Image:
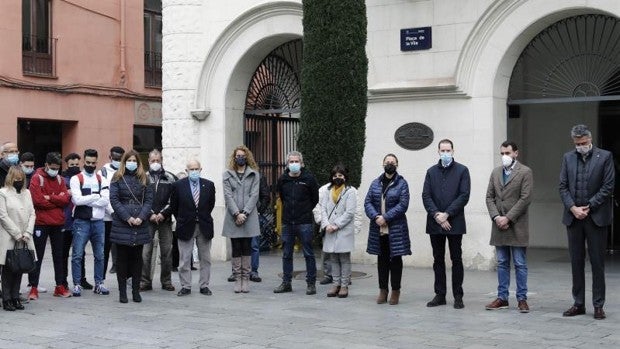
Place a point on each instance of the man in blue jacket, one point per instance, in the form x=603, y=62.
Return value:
x=445, y=194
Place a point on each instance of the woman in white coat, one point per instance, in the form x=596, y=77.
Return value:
x=338, y=220
x=16, y=225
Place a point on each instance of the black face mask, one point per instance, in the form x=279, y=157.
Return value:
x=18, y=185
x=72, y=171
x=390, y=168
x=89, y=169
x=338, y=181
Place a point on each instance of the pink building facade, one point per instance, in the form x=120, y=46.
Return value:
x=77, y=74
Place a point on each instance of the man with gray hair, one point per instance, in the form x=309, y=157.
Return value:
x=586, y=185
x=299, y=192
x=9, y=157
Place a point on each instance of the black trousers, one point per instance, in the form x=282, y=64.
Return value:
x=129, y=264
x=107, y=248
x=10, y=284
x=56, y=235
x=388, y=266
x=438, y=242
x=580, y=233
x=175, y=250
x=67, y=243
x=241, y=247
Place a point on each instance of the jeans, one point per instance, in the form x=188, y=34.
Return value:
x=305, y=233
x=255, y=254
x=84, y=231
x=438, y=242
x=56, y=235
x=68, y=241
x=503, y=271
x=164, y=231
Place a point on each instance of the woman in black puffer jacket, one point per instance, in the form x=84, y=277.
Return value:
x=131, y=198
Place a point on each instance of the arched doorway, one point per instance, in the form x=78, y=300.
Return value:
x=568, y=74
x=272, y=108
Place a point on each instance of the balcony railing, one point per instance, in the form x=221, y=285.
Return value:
x=39, y=55
x=152, y=69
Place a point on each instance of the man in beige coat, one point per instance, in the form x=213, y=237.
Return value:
x=508, y=197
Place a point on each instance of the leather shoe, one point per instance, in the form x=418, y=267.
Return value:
x=232, y=278
x=523, y=307
x=206, y=291
x=436, y=301
x=575, y=310
x=326, y=280
x=599, y=313
x=458, y=303
x=167, y=287
x=184, y=292
x=255, y=278
x=146, y=288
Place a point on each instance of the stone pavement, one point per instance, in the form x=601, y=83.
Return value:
x=262, y=319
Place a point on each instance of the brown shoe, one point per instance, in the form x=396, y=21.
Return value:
x=575, y=310
x=497, y=304
x=344, y=292
x=394, y=297
x=599, y=313
x=333, y=292
x=523, y=307
x=382, y=298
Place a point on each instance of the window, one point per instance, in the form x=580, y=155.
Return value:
x=152, y=43
x=37, y=44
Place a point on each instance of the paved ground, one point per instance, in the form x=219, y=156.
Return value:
x=262, y=319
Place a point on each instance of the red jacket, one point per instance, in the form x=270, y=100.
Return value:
x=49, y=211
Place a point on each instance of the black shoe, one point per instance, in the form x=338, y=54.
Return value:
x=206, y=291
x=458, y=303
x=194, y=268
x=436, y=301
x=113, y=269
x=175, y=269
x=86, y=285
x=311, y=289
x=575, y=310
x=146, y=287
x=136, y=297
x=326, y=280
x=8, y=305
x=168, y=287
x=255, y=278
x=232, y=278
x=284, y=287
x=184, y=292
x=17, y=304
x=122, y=297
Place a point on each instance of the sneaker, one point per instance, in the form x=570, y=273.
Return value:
x=34, y=294
x=497, y=304
x=523, y=307
x=232, y=278
x=311, y=289
x=255, y=278
x=86, y=285
x=77, y=291
x=102, y=290
x=41, y=289
x=284, y=287
x=61, y=291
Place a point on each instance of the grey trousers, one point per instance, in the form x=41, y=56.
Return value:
x=164, y=233
x=341, y=268
x=185, y=257
x=326, y=263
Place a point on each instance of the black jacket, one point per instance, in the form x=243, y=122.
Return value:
x=161, y=182
x=299, y=196
x=264, y=195
x=185, y=211
x=4, y=170
x=129, y=198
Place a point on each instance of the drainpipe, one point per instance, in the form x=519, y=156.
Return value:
x=123, y=56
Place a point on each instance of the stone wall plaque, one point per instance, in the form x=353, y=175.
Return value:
x=413, y=136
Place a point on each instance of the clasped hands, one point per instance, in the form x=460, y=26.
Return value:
x=157, y=218
x=502, y=222
x=580, y=212
x=442, y=219
x=134, y=221
x=241, y=218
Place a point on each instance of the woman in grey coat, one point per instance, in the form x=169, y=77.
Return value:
x=338, y=207
x=241, y=182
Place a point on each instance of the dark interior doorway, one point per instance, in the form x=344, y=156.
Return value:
x=609, y=124
x=39, y=137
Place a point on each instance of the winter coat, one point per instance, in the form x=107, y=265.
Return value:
x=342, y=214
x=16, y=219
x=130, y=198
x=49, y=212
x=512, y=200
x=241, y=195
x=446, y=189
x=396, y=204
x=161, y=182
x=299, y=196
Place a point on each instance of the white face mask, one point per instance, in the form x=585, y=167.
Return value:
x=155, y=166
x=583, y=149
x=507, y=160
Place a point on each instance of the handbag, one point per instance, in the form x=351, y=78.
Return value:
x=20, y=260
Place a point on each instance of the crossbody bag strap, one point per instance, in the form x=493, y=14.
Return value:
x=132, y=194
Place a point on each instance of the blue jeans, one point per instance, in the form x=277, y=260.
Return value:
x=255, y=254
x=305, y=233
x=84, y=231
x=503, y=271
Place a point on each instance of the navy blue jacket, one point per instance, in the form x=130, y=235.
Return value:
x=130, y=198
x=187, y=213
x=396, y=204
x=446, y=189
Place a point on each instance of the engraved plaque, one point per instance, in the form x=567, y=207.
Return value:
x=414, y=136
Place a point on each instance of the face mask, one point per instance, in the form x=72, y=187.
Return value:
x=27, y=170
x=155, y=166
x=240, y=161
x=338, y=181
x=18, y=185
x=13, y=159
x=131, y=166
x=89, y=169
x=194, y=176
x=446, y=158
x=389, y=169
x=72, y=171
x=294, y=167
x=507, y=160
x=583, y=149
x=115, y=164
x=51, y=173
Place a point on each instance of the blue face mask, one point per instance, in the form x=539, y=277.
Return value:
x=27, y=170
x=194, y=175
x=294, y=167
x=51, y=173
x=115, y=164
x=13, y=159
x=131, y=166
x=446, y=158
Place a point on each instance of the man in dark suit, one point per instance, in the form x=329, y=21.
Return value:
x=586, y=185
x=191, y=202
